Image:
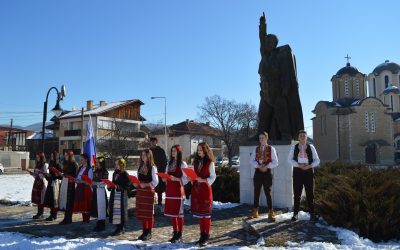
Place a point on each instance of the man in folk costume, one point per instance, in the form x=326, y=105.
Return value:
x=67, y=189
x=39, y=185
x=147, y=175
x=99, y=199
x=263, y=159
x=201, y=197
x=175, y=193
x=53, y=187
x=83, y=191
x=304, y=158
x=160, y=161
x=119, y=197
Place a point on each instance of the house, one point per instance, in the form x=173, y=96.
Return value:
x=358, y=128
x=14, y=139
x=116, y=127
x=14, y=147
x=189, y=134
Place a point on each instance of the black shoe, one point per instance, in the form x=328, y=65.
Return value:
x=120, y=230
x=178, y=237
x=295, y=217
x=173, y=239
x=313, y=217
x=100, y=226
x=50, y=218
x=37, y=216
x=141, y=237
x=148, y=235
x=203, y=239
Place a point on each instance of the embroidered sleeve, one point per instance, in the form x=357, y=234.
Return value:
x=213, y=176
x=154, y=181
x=316, y=160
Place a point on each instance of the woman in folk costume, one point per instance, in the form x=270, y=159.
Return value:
x=99, y=199
x=147, y=175
x=175, y=193
x=119, y=197
x=201, y=197
x=39, y=186
x=83, y=191
x=67, y=189
x=53, y=187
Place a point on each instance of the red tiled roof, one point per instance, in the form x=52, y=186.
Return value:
x=190, y=127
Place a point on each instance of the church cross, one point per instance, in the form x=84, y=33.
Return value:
x=348, y=58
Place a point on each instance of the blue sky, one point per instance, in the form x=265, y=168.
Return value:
x=184, y=50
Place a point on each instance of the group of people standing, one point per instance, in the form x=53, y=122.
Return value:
x=302, y=156
x=82, y=189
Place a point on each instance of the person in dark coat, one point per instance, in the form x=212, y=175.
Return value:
x=51, y=197
x=160, y=160
x=119, y=198
x=99, y=199
x=39, y=186
x=67, y=190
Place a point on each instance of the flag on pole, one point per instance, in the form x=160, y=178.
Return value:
x=90, y=145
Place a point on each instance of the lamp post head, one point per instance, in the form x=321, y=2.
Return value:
x=57, y=110
x=63, y=92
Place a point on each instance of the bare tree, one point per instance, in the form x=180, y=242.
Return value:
x=230, y=118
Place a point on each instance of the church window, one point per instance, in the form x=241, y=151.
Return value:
x=366, y=122
x=358, y=88
x=374, y=88
x=391, y=102
x=386, y=81
x=346, y=87
x=373, y=126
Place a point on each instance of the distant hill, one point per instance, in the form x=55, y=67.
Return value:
x=37, y=127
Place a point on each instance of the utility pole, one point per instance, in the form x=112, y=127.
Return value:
x=82, y=131
x=10, y=134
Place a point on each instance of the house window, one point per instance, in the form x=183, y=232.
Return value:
x=346, y=87
x=386, y=82
x=366, y=122
x=358, y=88
x=374, y=88
x=373, y=126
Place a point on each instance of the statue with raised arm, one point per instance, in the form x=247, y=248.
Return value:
x=279, y=112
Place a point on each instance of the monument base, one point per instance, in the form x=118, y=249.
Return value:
x=282, y=187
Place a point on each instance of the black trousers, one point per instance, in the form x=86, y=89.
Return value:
x=262, y=179
x=303, y=178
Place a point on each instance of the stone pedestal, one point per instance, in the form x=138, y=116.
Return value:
x=282, y=187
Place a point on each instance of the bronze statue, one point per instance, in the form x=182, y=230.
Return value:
x=279, y=112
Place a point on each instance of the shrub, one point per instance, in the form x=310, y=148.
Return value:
x=356, y=197
x=226, y=186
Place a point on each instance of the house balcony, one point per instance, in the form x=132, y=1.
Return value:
x=76, y=132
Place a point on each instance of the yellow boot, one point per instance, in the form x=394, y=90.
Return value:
x=271, y=215
x=254, y=213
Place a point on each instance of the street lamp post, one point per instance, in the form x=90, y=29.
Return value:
x=56, y=110
x=165, y=119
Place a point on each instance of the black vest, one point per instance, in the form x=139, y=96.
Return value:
x=146, y=178
x=308, y=151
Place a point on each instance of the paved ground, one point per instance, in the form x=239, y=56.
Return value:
x=226, y=226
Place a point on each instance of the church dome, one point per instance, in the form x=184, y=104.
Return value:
x=350, y=70
x=391, y=66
